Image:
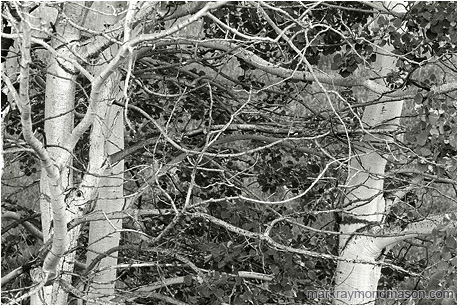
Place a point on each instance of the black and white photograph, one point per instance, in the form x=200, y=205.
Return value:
x=228, y=152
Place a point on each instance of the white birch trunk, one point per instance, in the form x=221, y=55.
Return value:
x=355, y=283
x=103, y=235
x=59, y=104
x=107, y=137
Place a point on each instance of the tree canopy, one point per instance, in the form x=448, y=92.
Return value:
x=242, y=121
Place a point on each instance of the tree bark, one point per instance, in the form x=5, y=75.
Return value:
x=105, y=234
x=59, y=104
x=107, y=137
x=364, y=206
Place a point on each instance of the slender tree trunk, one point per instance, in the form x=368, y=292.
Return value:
x=365, y=204
x=107, y=137
x=103, y=235
x=59, y=104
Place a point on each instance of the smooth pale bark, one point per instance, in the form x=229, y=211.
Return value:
x=365, y=202
x=356, y=282
x=59, y=104
x=103, y=235
x=107, y=137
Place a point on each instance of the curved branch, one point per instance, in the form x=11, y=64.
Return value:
x=129, y=213
x=379, y=6
x=257, y=62
x=414, y=229
x=154, y=295
x=31, y=292
x=12, y=275
x=279, y=246
x=175, y=144
x=434, y=178
x=100, y=79
x=97, y=44
x=270, y=140
x=12, y=90
x=152, y=249
x=161, y=284
x=27, y=225
x=69, y=288
x=444, y=88
x=116, y=157
x=24, y=105
x=398, y=195
x=181, y=279
x=18, y=271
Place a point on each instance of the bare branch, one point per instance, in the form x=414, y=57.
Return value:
x=285, y=248
x=414, y=229
x=27, y=225
x=100, y=79
x=289, y=74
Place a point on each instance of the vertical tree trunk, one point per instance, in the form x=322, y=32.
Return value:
x=365, y=203
x=107, y=137
x=59, y=104
x=102, y=234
